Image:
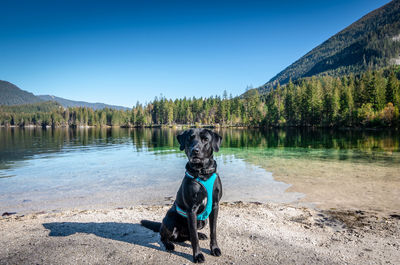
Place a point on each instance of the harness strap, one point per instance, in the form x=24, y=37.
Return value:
x=208, y=185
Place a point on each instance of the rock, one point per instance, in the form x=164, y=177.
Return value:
x=8, y=213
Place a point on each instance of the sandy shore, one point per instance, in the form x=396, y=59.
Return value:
x=248, y=233
x=337, y=184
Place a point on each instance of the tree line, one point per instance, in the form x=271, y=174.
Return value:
x=371, y=99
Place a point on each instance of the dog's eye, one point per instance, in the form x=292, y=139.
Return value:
x=205, y=139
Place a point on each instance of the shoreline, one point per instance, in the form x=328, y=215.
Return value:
x=248, y=233
x=210, y=126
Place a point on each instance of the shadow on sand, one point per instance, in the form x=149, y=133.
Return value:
x=125, y=232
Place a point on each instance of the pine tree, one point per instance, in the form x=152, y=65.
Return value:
x=393, y=89
x=289, y=103
x=380, y=90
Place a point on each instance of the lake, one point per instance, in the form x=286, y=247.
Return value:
x=63, y=168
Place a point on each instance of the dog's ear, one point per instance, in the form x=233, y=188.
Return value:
x=182, y=139
x=216, y=141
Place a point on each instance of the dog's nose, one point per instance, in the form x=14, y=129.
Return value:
x=195, y=151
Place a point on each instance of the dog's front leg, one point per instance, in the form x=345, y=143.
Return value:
x=198, y=257
x=215, y=250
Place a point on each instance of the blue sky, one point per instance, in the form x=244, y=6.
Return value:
x=120, y=52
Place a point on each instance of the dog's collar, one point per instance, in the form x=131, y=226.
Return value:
x=188, y=175
x=203, y=173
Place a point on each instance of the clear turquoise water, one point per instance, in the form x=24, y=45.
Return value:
x=85, y=168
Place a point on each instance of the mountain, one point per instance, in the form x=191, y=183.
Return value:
x=10, y=94
x=371, y=42
x=39, y=107
x=71, y=103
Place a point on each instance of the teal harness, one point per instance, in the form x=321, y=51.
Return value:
x=208, y=185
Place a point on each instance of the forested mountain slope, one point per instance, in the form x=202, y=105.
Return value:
x=372, y=42
x=72, y=103
x=10, y=94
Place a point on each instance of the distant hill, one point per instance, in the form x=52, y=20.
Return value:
x=45, y=106
x=371, y=42
x=71, y=103
x=10, y=94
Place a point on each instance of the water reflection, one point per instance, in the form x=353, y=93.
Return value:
x=66, y=167
x=18, y=144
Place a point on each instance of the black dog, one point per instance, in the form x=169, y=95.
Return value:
x=193, y=202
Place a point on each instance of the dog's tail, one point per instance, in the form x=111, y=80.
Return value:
x=155, y=226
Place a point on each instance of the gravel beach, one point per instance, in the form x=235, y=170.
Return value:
x=248, y=233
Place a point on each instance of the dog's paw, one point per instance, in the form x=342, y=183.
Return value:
x=199, y=258
x=216, y=251
x=202, y=236
x=169, y=246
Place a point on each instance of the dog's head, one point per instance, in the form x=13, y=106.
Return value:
x=199, y=145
